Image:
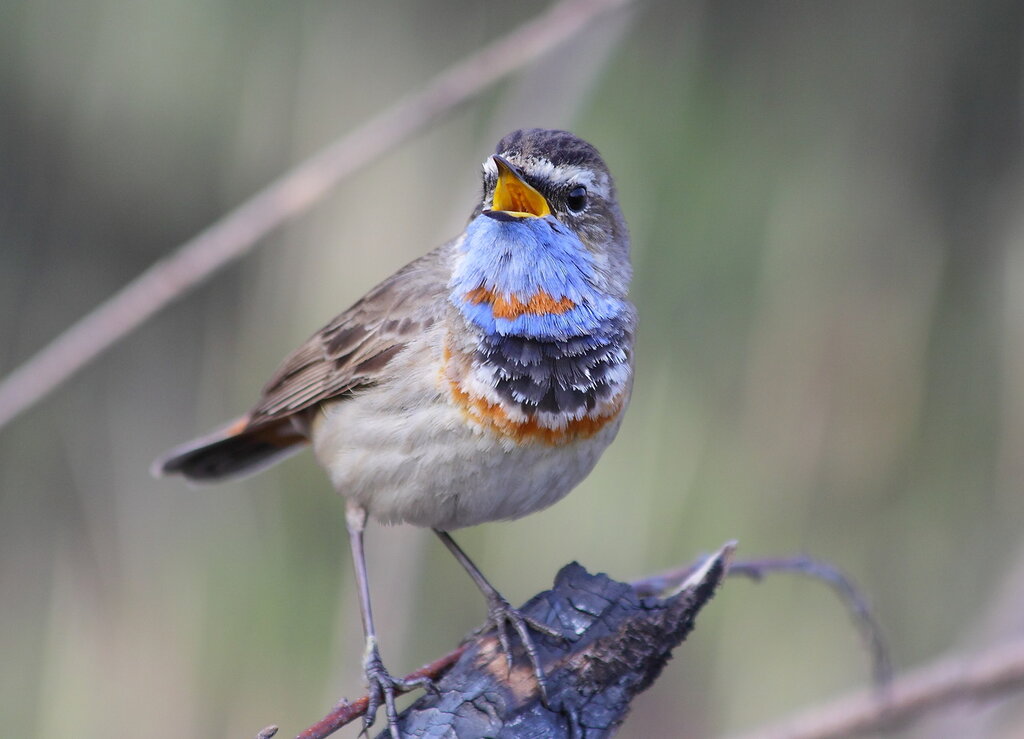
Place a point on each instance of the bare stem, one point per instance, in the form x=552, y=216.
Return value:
x=848, y=593
x=295, y=191
x=962, y=679
x=345, y=712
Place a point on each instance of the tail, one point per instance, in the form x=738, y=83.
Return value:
x=234, y=451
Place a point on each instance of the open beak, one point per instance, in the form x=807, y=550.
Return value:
x=513, y=196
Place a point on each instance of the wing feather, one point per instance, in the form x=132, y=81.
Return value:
x=355, y=348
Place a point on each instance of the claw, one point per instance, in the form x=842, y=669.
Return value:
x=500, y=616
x=383, y=687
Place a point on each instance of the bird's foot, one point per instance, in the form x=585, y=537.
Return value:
x=500, y=617
x=383, y=687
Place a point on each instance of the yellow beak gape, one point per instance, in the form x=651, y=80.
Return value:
x=512, y=195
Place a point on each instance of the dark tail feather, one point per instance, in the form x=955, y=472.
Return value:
x=232, y=452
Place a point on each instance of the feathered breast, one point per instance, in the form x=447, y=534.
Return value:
x=551, y=360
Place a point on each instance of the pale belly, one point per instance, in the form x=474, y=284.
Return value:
x=406, y=453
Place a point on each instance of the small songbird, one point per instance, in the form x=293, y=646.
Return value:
x=480, y=382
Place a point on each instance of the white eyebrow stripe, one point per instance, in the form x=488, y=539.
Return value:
x=595, y=182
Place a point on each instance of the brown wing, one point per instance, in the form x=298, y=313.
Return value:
x=354, y=348
x=348, y=353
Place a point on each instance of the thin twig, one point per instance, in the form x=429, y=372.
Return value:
x=846, y=590
x=345, y=712
x=295, y=191
x=972, y=678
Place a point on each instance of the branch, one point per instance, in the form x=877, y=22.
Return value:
x=235, y=233
x=619, y=636
x=962, y=679
x=615, y=643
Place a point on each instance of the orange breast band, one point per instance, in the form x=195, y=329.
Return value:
x=509, y=306
x=495, y=418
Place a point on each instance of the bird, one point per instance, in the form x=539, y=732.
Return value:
x=481, y=382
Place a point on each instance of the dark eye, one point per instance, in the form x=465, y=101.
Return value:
x=577, y=199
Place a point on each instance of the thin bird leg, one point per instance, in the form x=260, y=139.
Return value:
x=381, y=684
x=501, y=615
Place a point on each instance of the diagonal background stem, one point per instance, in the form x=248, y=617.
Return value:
x=974, y=678
x=295, y=191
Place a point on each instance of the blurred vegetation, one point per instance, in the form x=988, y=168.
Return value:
x=826, y=202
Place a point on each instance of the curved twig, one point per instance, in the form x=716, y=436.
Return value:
x=844, y=588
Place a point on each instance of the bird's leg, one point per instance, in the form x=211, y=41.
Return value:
x=501, y=615
x=381, y=684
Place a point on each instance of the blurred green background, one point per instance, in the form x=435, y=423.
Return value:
x=826, y=204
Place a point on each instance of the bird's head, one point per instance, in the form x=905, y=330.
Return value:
x=540, y=173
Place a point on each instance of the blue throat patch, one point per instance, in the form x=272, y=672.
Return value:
x=520, y=258
x=560, y=360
